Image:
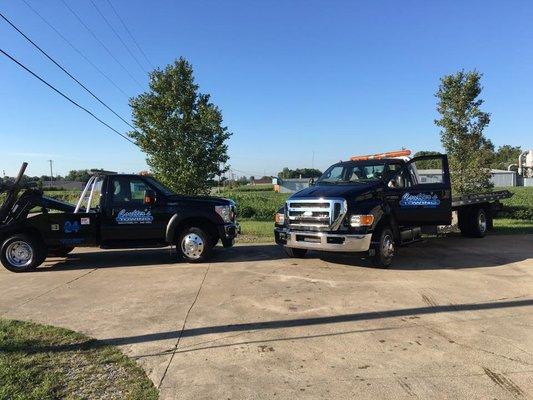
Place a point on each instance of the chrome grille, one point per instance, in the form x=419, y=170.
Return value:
x=316, y=215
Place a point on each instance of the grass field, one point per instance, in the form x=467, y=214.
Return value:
x=256, y=231
x=39, y=362
x=512, y=226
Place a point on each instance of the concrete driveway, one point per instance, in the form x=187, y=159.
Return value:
x=453, y=319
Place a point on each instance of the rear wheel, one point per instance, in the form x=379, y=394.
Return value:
x=194, y=245
x=474, y=222
x=21, y=253
x=384, y=249
x=295, y=253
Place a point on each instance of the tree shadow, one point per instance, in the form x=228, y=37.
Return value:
x=282, y=324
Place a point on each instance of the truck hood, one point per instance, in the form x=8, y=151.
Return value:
x=207, y=200
x=348, y=191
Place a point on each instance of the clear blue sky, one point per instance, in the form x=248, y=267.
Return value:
x=291, y=77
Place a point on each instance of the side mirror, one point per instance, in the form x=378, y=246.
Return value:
x=149, y=197
x=312, y=182
x=392, y=184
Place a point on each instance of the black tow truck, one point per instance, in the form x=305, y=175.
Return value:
x=372, y=204
x=113, y=211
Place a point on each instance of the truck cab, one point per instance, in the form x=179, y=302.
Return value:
x=113, y=211
x=372, y=204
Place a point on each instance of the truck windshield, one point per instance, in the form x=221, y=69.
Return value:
x=352, y=173
x=159, y=186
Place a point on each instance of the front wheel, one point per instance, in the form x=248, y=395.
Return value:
x=384, y=249
x=21, y=253
x=194, y=245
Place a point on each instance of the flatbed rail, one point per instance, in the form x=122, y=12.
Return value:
x=480, y=198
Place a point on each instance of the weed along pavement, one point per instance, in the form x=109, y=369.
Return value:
x=452, y=319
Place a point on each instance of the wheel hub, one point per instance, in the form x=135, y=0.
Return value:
x=388, y=247
x=482, y=222
x=19, y=254
x=192, y=245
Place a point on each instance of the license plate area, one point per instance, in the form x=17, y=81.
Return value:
x=308, y=238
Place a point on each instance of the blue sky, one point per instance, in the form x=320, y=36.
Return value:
x=293, y=78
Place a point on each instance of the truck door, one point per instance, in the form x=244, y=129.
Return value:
x=128, y=217
x=420, y=194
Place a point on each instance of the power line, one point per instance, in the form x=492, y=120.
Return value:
x=118, y=36
x=130, y=34
x=64, y=70
x=76, y=49
x=65, y=96
x=99, y=41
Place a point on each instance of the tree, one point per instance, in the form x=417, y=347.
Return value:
x=427, y=164
x=287, y=173
x=78, y=175
x=180, y=130
x=505, y=156
x=462, y=123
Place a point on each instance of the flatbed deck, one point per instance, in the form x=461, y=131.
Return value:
x=479, y=198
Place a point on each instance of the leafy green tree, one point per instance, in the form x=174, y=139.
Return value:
x=427, y=164
x=180, y=130
x=462, y=123
x=505, y=156
x=78, y=175
x=287, y=173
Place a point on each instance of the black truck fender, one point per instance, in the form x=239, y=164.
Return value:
x=180, y=220
x=383, y=218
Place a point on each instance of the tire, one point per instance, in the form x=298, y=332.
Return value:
x=21, y=253
x=474, y=222
x=295, y=253
x=194, y=245
x=60, y=251
x=384, y=249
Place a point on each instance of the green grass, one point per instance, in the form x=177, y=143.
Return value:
x=256, y=231
x=44, y=362
x=520, y=206
x=259, y=205
x=513, y=226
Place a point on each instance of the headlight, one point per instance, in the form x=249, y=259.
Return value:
x=280, y=219
x=225, y=213
x=361, y=220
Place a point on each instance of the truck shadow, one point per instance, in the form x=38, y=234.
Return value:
x=162, y=257
x=451, y=252
x=434, y=253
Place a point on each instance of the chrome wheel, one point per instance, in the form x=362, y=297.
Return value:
x=482, y=222
x=192, y=246
x=387, y=247
x=19, y=254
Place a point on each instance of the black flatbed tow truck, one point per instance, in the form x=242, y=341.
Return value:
x=113, y=211
x=372, y=204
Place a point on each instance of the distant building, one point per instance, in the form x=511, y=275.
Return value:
x=290, y=185
x=500, y=178
x=261, y=181
x=64, y=185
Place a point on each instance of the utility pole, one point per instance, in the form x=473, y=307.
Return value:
x=51, y=172
x=313, y=160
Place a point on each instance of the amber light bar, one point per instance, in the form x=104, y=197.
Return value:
x=389, y=154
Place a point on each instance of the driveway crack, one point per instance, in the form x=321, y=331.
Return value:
x=175, y=348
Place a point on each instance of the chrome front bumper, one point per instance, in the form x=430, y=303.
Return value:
x=322, y=241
